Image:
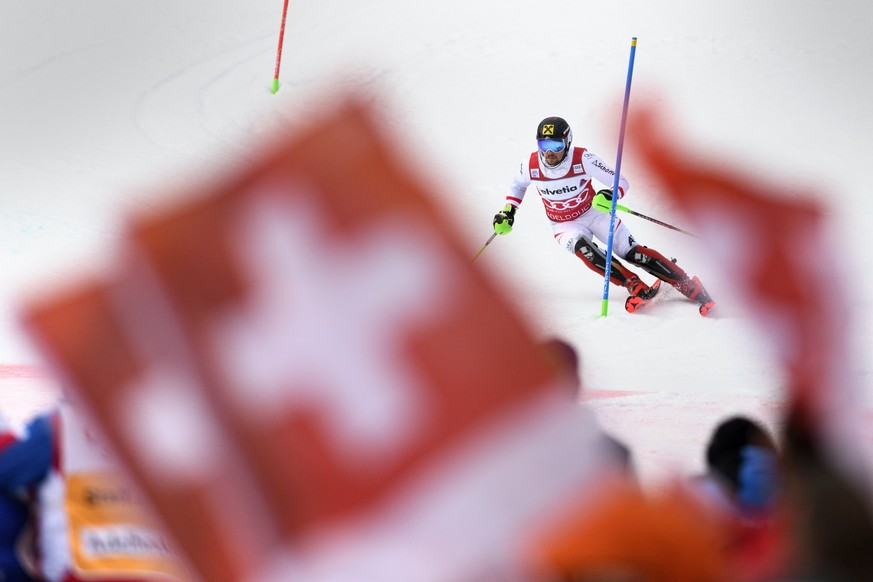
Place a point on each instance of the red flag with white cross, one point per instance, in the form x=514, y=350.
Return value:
x=777, y=249
x=388, y=415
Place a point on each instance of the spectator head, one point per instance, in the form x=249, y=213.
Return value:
x=731, y=436
x=565, y=358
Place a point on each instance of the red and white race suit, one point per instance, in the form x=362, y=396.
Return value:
x=567, y=193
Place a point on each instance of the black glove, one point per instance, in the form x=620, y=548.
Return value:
x=503, y=220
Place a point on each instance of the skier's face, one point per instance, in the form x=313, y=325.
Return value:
x=553, y=158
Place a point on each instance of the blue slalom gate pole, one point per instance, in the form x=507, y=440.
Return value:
x=604, y=304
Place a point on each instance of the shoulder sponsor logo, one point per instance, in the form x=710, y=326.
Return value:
x=604, y=167
x=587, y=155
x=534, y=173
x=577, y=168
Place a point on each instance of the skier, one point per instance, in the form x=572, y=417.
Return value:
x=563, y=174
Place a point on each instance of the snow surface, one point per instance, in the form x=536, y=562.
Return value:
x=107, y=106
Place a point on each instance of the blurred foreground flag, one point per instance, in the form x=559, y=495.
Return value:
x=310, y=382
x=775, y=247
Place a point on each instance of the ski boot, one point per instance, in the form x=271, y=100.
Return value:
x=693, y=289
x=640, y=293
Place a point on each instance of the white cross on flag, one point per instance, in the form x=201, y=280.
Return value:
x=309, y=380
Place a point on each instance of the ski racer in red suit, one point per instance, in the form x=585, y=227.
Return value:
x=563, y=176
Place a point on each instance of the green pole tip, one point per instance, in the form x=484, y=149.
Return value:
x=275, y=85
x=604, y=307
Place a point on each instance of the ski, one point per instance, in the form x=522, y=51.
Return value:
x=635, y=302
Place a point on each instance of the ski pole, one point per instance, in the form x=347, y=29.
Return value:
x=487, y=242
x=627, y=87
x=279, y=51
x=655, y=220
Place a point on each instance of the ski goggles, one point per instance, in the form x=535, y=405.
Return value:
x=550, y=145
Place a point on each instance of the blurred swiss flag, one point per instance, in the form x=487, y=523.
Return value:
x=304, y=373
x=776, y=249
